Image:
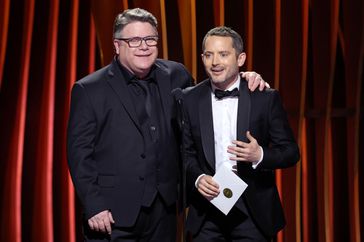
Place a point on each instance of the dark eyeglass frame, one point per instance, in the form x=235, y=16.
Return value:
x=153, y=38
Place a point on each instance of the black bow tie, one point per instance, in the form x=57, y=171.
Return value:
x=220, y=94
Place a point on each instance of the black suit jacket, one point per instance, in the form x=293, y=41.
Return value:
x=263, y=115
x=105, y=144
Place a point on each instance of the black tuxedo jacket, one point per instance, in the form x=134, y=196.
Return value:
x=105, y=144
x=263, y=115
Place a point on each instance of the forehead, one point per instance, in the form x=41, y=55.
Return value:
x=140, y=29
x=219, y=43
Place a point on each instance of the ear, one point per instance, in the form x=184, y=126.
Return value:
x=241, y=59
x=202, y=58
x=116, y=47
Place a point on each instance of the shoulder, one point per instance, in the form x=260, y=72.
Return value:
x=171, y=67
x=267, y=93
x=176, y=72
x=195, y=92
x=95, y=83
x=268, y=100
x=168, y=65
x=95, y=77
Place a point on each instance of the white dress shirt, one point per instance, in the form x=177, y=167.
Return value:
x=225, y=117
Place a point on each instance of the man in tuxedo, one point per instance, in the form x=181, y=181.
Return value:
x=123, y=153
x=227, y=124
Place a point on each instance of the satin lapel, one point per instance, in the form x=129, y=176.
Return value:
x=118, y=84
x=164, y=85
x=243, y=112
x=206, y=125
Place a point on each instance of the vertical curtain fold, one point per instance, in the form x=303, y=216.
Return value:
x=46, y=46
x=324, y=33
x=353, y=16
x=4, y=23
x=64, y=207
x=11, y=227
x=43, y=192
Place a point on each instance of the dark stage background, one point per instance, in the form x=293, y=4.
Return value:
x=312, y=51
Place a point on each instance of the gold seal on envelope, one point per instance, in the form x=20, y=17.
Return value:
x=227, y=192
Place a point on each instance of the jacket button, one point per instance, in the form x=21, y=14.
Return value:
x=143, y=156
x=141, y=178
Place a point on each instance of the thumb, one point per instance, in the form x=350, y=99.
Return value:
x=242, y=74
x=249, y=136
x=111, y=218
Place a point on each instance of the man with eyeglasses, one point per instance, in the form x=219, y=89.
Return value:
x=123, y=152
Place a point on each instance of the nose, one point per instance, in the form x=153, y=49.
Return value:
x=215, y=60
x=143, y=45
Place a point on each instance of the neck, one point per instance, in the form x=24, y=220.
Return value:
x=226, y=84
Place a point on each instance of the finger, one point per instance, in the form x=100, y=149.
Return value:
x=253, y=81
x=250, y=137
x=209, y=188
x=96, y=226
x=101, y=225
x=234, y=151
x=209, y=192
x=239, y=143
x=107, y=225
x=209, y=181
x=111, y=218
x=262, y=85
x=212, y=187
x=207, y=196
x=91, y=224
x=250, y=78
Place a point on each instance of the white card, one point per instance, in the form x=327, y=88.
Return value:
x=231, y=187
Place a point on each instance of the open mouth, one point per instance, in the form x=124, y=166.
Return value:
x=144, y=55
x=217, y=71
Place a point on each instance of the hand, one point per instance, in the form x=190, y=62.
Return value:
x=247, y=152
x=254, y=80
x=101, y=222
x=207, y=187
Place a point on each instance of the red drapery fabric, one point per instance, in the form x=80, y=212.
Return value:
x=312, y=51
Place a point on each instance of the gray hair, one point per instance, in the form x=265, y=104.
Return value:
x=224, y=31
x=132, y=15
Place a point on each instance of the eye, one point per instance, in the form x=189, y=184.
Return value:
x=224, y=54
x=151, y=40
x=134, y=40
x=207, y=55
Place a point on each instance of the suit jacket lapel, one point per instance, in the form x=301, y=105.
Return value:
x=206, y=124
x=243, y=112
x=164, y=85
x=118, y=84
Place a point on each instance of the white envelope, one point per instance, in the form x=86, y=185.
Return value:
x=231, y=188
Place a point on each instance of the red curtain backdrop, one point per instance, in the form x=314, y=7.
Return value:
x=312, y=51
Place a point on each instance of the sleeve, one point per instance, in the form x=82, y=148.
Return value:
x=81, y=133
x=283, y=150
x=193, y=170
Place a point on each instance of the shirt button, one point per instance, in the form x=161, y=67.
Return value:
x=152, y=128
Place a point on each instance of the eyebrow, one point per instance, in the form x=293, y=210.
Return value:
x=219, y=52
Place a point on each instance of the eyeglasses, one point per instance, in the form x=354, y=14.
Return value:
x=135, y=42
